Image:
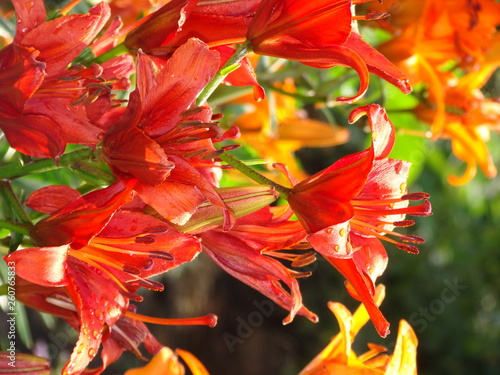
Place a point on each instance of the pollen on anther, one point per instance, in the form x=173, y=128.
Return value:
x=402, y=187
x=342, y=232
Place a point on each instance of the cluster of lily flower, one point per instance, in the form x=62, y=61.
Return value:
x=152, y=160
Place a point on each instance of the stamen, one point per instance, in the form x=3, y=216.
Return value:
x=416, y=196
x=99, y=245
x=191, y=111
x=157, y=229
x=131, y=296
x=371, y=16
x=160, y=255
x=207, y=320
x=230, y=147
x=408, y=248
x=145, y=240
x=403, y=223
x=151, y=285
x=128, y=268
x=86, y=258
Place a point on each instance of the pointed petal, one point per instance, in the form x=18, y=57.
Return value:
x=306, y=21
x=98, y=304
x=131, y=151
x=361, y=287
x=323, y=199
x=404, y=358
x=378, y=64
x=258, y=271
x=42, y=266
x=51, y=199
x=82, y=219
x=193, y=363
x=20, y=76
x=175, y=87
x=69, y=36
x=34, y=135
x=29, y=15
x=324, y=57
x=163, y=363
x=383, y=134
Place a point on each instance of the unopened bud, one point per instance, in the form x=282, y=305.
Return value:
x=23, y=364
x=241, y=200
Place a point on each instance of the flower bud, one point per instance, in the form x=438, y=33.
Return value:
x=241, y=200
x=23, y=364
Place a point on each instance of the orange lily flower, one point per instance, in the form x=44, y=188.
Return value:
x=339, y=358
x=166, y=362
x=469, y=117
x=432, y=33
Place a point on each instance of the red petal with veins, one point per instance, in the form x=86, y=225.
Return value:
x=361, y=287
x=29, y=15
x=378, y=64
x=165, y=95
x=20, y=76
x=258, y=271
x=99, y=304
x=34, y=135
x=133, y=152
x=243, y=76
x=51, y=199
x=309, y=22
x=323, y=199
x=324, y=57
x=43, y=266
x=82, y=219
x=161, y=26
x=69, y=35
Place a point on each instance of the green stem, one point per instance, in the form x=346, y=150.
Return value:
x=243, y=50
x=14, y=170
x=4, y=289
x=11, y=199
x=14, y=227
x=254, y=175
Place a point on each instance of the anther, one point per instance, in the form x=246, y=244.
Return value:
x=416, y=196
x=408, y=248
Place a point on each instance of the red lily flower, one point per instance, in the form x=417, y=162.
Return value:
x=302, y=31
x=345, y=209
x=162, y=140
x=45, y=105
x=99, y=256
x=218, y=24
x=215, y=23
